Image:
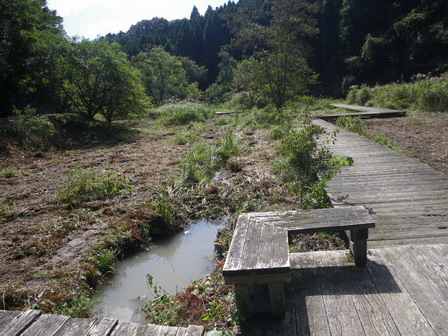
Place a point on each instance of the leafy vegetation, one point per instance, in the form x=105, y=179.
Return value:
x=9, y=173
x=182, y=114
x=84, y=184
x=98, y=79
x=428, y=94
x=30, y=130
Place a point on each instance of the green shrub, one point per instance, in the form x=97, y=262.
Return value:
x=182, y=114
x=183, y=138
x=30, y=130
x=279, y=131
x=9, y=173
x=425, y=94
x=203, y=160
x=304, y=157
x=352, y=124
x=435, y=96
x=84, y=184
x=363, y=96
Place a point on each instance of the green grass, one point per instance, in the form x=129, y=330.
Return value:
x=9, y=173
x=182, y=114
x=426, y=94
x=85, y=184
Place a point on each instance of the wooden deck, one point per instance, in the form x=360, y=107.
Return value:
x=401, y=291
x=34, y=323
x=408, y=200
x=363, y=112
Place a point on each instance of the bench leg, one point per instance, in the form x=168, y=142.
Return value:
x=358, y=245
x=277, y=299
x=242, y=297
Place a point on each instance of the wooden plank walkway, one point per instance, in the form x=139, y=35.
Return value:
x=363, y=112
x=401, y=291
x=408, y=200
x=34, y=323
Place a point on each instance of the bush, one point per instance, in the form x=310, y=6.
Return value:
x=83, y=185
x=363, y=96
x=9, y=173
x=182, y=114
x=430, y=94
x=30, y=130
x=203, y=160
x=352, y=124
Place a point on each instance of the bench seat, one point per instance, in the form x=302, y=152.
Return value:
x=259, y=255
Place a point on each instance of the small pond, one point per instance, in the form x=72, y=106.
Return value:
x=174, y=263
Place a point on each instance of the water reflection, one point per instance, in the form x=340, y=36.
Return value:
x=174, y=263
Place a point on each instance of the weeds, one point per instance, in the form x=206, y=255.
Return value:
x=206, y=302
x=203, y=160
x=104, y=259
x=305, y=158
x=30, y=130
x=84, y=185
x=352, y=124
x=9, y=173
x=77, y=306
x=182, y=114
x=428, y=94
x=184, y=138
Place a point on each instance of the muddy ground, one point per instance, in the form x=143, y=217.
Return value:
x=45, y=245
x=420, y=135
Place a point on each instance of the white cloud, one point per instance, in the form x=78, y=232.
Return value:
x=91, y=18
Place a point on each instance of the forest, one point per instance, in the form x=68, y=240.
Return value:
x=323, y=47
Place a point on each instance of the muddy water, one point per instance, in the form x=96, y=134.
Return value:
x=174, y=263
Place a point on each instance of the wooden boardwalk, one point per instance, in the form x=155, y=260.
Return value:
x=401, y=291
x=408, y=200
x=363, y=112
x=34, y=323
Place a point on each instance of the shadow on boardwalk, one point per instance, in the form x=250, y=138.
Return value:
x=402, y=290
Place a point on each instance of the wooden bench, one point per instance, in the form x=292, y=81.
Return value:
x=259, y=254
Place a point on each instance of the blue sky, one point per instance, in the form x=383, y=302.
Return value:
x=91, y=18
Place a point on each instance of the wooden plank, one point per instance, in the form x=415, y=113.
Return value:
x=430, y=264
x=20, y=322
x=372, y=312
x=167, y=331
x=342, y=315
x=402, y=308
x=364, y=108
x=182, y=332
x=248, y=260
x=310, y=311
x=46, y=325
x=432, y=305
x=276, y=299
x=134, y=329
x=75, y=327
x=103, y=327
x=236, y=246
x=409, y=241
x=194, y=330
x=272, y=248
x=6, y=317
